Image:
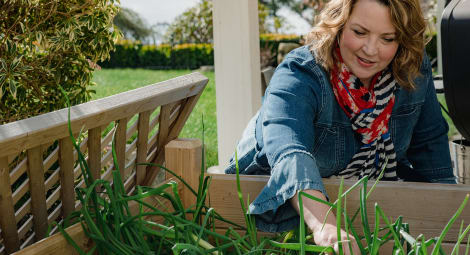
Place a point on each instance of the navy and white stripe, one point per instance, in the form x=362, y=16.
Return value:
x=380, y=153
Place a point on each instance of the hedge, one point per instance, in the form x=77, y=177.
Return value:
x=192, y=56
x=182, y=56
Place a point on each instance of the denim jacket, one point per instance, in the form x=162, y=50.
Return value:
x=301, y=134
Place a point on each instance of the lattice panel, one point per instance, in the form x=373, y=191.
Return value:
x=37, y=185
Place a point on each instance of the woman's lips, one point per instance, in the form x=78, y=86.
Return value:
x=364, y=62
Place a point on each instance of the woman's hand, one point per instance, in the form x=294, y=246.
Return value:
x=314, y=215
x=328, y=236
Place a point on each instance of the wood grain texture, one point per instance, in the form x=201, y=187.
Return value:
x=58, y=245
x=67, y=179
x=120, y=145
x=175, y=129
x=37, y=191
x=31, y=132
x=184, y=157
x=94, y=152
x=19, y=170
x=7, y=217
x=426, y=207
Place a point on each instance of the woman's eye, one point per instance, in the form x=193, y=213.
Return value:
x=389, y=39
x=357, y=32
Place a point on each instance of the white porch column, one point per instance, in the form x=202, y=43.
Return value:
x=237, y=70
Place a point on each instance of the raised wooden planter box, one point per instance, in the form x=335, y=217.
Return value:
x=426, y=207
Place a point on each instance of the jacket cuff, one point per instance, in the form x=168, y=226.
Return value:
x=294, y=171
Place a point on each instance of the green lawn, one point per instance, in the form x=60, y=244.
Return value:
x=114, y=81
x=452, y=129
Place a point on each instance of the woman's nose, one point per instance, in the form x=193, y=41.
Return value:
x=370, y=47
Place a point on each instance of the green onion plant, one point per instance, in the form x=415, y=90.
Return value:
x=106, y=218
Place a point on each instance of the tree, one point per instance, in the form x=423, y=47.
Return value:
x=131, y=25
x=44, y=44
x=307, y=9
x=195, y=24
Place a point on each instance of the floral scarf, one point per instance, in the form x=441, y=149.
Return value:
x=369, y=111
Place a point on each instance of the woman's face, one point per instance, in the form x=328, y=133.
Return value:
x=368, y=40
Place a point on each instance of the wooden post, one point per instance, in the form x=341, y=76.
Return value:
x=7, y=213
x=237, y=72
x=37, y=190
x=142, y=148
x=94, y=152
x=184, y=157
x=67, y=185
x=121, y=146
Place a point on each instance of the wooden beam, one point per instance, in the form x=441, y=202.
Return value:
x=7, y=217
x=67, y=179
x=175, y=129
x=37, y=191
x=426, y=207
x=120, y=138
x=184, y=157
x=28, y=133
x=94, y=152
x=58, y=245
x=142, y=146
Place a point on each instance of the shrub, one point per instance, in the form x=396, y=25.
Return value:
x=181, y=56
x=47, y=43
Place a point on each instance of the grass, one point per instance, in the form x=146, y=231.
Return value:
x=452, y=129
x=113, y=81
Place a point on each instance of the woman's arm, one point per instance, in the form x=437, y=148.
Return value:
x=314, y=215
x=429, y=147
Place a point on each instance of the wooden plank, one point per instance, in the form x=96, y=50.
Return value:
x=426, y=207
x=25, y=228
x=67, y=179
x=19, y=170
x=7, y=217
x=37, y=191
x=173, y=134
x=132, y=129
x=31, y=132
x=106, y=141
x=20, y=191
x=57, y=244
x=24, y=209
x=142, y=146
x=184, y=157
x=51, y=159
x=120, y=138
x=52, y=179
x=94, y=152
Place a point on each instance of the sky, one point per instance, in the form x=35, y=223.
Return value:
x=154, y=11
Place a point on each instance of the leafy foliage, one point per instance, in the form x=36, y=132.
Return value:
x=195, y=24
x=164, y=56
x=44, y=44
x=183, y=56
x=131, y=24
x=304, y=8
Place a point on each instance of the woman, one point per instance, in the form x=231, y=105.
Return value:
x=357, y=98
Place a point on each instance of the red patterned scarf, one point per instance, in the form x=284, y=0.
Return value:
x=369, y=111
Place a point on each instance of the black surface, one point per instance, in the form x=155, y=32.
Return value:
x=455, y=39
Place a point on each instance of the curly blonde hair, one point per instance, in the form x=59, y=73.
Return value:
x=407, y=19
